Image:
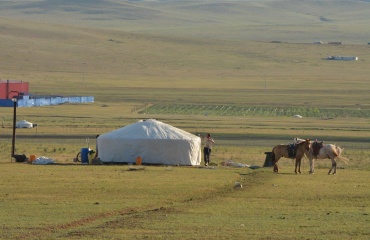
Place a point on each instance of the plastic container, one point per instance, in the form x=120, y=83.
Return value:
x=139, y=160
x=32, y=158
x=85, y=155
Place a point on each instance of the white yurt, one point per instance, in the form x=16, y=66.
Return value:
x=153, y=141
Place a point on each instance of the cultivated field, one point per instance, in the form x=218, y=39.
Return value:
x=230, y=80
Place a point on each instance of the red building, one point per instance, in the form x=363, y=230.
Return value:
x=10, y=88
x=15, y=88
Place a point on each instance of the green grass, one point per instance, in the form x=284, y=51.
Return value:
x=63, y=130
x=66, y=60
x=168, y=67
x=262, y=20
x=230, y=110
x=74, y=201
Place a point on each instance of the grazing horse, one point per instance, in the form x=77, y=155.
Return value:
x=326, y=151
x=281, y=150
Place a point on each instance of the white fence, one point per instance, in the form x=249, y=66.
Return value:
x=52, y=100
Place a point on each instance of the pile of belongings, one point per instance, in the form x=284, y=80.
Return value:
x=43, y=160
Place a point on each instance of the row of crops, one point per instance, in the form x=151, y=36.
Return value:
x=229, y=110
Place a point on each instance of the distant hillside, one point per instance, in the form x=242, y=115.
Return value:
x=283, y=20
x=168, y=51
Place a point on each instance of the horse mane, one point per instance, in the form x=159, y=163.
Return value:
x=302, y=141
x=298, y=140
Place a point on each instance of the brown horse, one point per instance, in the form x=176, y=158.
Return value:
x=280, y=151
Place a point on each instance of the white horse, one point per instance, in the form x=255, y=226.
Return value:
x=330, y=151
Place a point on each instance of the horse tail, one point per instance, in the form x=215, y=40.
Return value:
x=273, y=156
x=336, y=150
x=339, y=151
x=273, y=159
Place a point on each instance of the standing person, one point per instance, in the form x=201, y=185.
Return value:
x=207, y=148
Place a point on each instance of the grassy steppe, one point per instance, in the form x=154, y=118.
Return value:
x=266, y=20
x=117, y=66
x=132, y=66
x=100, y=202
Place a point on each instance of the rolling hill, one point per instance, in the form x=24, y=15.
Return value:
x=165, y=51
x=285, y=20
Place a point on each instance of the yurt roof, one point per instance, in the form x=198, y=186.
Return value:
x=148, y=129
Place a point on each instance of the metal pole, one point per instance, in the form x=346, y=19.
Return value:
x=14, y=119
